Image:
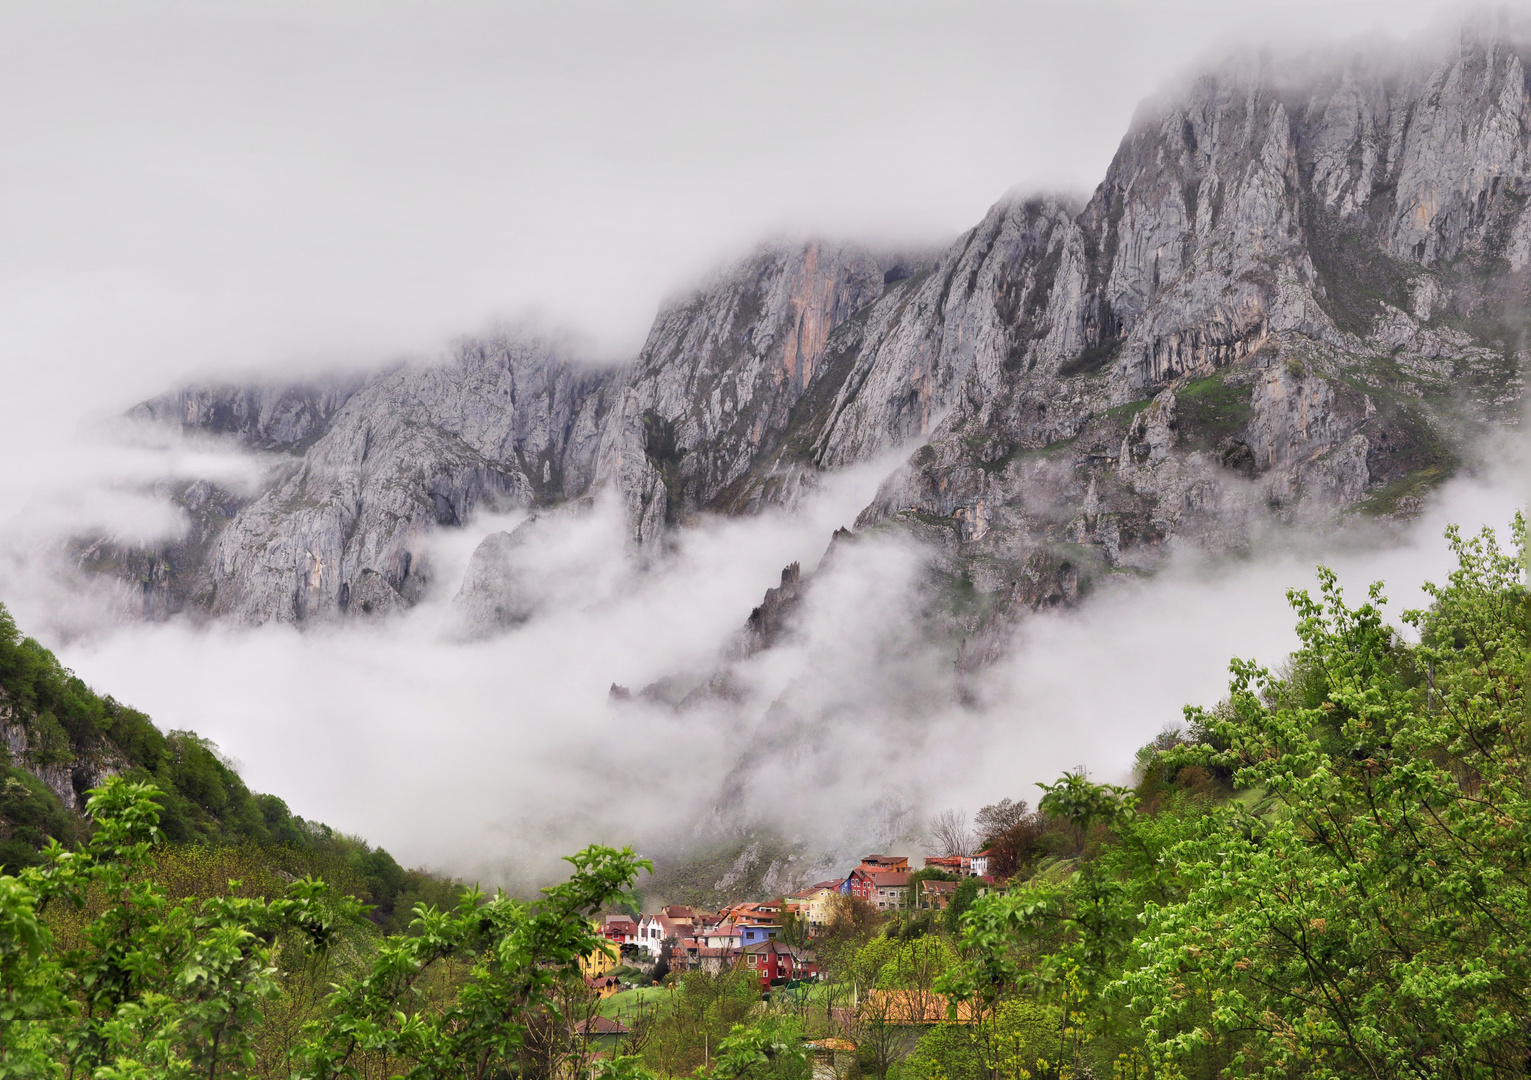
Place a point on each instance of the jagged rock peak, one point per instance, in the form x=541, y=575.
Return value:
x=1327, y=269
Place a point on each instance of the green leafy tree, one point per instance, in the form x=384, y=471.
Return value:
x=152, y=988
x=962, y=899
x=1377, y=920
x=518, y=952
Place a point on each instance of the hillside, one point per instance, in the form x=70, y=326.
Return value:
x=59, y=739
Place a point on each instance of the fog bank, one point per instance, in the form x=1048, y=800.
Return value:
x=490, y=758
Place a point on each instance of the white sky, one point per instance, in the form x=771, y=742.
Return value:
x=206, y=186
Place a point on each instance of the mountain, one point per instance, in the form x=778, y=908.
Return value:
x=1297, y=294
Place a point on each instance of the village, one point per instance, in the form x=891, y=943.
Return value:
x=751, y=935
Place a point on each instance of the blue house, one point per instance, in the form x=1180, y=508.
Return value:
x=754, y=933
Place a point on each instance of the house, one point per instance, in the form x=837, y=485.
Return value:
x=831, y=1057
x=814, y=903
x=881, y=880
x=602, y=1032
x=890, y=889
x=723, y=936
x=936, y=895
x=655, y=930
x=887, y=890
x=713, y=960
x=980, y=862
x=752, y=931
x=600, y=1025
x=684, y=953
x=912, y=1008
x=598, y=962
x=621, y=929
x=858, y=883
x=777, y=962
x=650, y=935
x=604, y=985
x=961, y=865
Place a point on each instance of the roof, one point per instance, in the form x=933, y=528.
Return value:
x=763, y=948
x=707, y=950
x=831, y=1044
x=771, y=945
x=912, y=1007
x=601, y=1025
x=890, y=879
x=939, y=886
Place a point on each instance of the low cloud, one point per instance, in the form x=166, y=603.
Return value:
x=491, y=758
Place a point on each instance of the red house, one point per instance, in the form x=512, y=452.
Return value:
x=775, y=962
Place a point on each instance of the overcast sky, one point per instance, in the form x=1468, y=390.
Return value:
x=192, y=187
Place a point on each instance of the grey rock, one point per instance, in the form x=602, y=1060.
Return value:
x=263, y=416
x=1295, y=293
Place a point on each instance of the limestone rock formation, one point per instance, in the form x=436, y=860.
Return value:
x=1292, y=296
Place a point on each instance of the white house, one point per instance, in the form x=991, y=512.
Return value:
x=723, y=936
x=651, y=935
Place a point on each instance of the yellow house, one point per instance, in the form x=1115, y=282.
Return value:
x=601, y=960
x=815, y=902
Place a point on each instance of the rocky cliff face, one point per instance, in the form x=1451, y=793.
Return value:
x=1288, y=299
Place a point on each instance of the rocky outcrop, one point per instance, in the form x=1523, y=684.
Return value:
x=1290, y=297
x=263, y=416
x=41, y=747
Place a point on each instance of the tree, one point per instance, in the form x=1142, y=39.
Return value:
x=998, y=818
x=949, y=833
x=1375, y=918
x=1360, y=909
x=961, y=901
x=153, y=987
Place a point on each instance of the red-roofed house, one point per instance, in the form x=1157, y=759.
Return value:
x=937, y=895
x=961, y=865
x=622, y=929
x=888, y=890
x=775, y=962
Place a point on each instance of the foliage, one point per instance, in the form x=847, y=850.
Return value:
x=961, y=901
x=995, y=820
x=32, y=815
x=771, y=1048
x=133, y=982
x=148, y=987
x=1359, y=906
x=1013, y=1042
x=1377, y=920
x=698, y=1012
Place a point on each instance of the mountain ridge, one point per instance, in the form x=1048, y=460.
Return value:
x=1288, y=300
